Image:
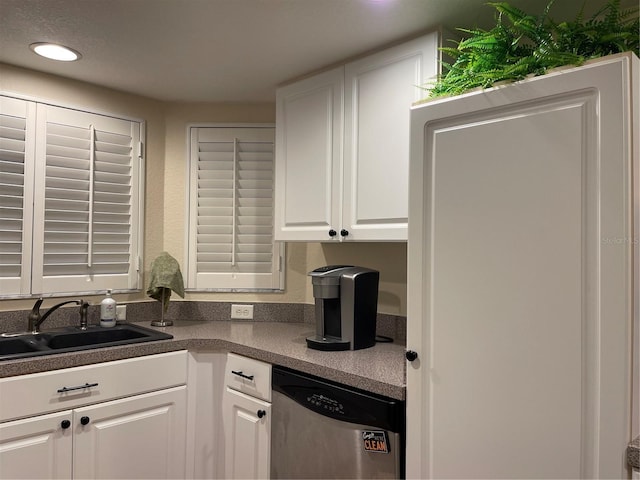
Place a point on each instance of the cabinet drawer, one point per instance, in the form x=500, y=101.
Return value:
x=248, y=376
x=45, y=392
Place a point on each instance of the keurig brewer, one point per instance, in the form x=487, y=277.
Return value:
x=346, y=307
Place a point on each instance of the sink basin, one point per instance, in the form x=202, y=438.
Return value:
x=71, y=339
x=13, y=346
x=94, y=337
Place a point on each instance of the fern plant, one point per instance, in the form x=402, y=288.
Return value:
x=521, y=44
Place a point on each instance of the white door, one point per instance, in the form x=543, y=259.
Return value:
x=521, y=278
x=137, y=437
x=36, y=447
x=247, y=430
x=379, y=91
x=309, y=116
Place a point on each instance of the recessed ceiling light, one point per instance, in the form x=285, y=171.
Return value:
x=55, y=51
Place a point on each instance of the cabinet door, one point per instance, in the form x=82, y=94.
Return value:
x=379, y=92
x=309, y=157
x=521, y=278
x=247, y=430
x=37, y=447
x=137, y=437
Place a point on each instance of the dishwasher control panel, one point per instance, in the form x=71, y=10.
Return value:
x=324, y=402
x=339, y=401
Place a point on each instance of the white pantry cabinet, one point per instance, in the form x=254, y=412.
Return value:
x=142, y=435
x=246, y=418
x=342, y=147
x=523, y=278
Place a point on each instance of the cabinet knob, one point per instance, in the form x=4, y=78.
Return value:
x=332, y=233
x=65, y=424
x=261, y=413
x=85, y=420
x=344, y=232
x=411, y=355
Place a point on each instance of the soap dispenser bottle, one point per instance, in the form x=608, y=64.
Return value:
x=108, y=311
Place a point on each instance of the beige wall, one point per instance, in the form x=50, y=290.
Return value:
x=165, y=206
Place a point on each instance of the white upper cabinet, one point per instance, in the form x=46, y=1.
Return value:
x=342, y=146
x=309, y=116
x=523, y=278
x=380, y=90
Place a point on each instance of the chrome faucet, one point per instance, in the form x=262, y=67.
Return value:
x=35, y=320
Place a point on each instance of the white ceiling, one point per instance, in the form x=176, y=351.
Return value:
x=223, y=50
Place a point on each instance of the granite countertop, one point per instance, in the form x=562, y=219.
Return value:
x=379, y=369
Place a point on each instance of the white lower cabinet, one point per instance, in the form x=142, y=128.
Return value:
x=246, y=418
x=137, y=437
x=38, y=447
x=110, y=424
x=247, y=433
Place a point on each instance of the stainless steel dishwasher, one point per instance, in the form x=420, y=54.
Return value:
x=321, y=429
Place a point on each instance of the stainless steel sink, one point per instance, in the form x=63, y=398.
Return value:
x=71, y=339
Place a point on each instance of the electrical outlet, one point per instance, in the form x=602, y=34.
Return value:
x=121, y=312
x=245, y=312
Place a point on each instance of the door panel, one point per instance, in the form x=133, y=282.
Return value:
x=247, y=436
x=521, y=279
x=136, y=437
x=36, y=447
x=309, y=117
x=379, y=91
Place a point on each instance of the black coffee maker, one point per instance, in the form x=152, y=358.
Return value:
x=346, y=307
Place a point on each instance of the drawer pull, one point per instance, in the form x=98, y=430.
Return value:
x=79, y=387
x=65, y=424
x=261, y=413
x=85, y=420
x=240, y=374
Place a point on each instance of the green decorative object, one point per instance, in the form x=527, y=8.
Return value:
x=521, y=45
x=165, y=278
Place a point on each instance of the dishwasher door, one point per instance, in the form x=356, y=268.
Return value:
x=324, y=430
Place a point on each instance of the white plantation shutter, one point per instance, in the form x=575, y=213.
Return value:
x=17, y=126
x=88, y=203
x=231, y=210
